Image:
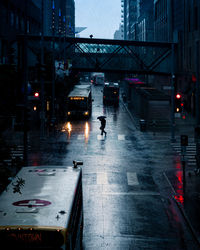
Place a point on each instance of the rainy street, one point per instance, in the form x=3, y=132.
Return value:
x=126, y=197
x=100, y=124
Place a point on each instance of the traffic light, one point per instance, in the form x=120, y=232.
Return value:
x=36, y=94
x=178, y=103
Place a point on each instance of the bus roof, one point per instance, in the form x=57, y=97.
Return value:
x=80, y=91
x=45, y=199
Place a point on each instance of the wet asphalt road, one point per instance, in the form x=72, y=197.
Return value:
x=127, y=201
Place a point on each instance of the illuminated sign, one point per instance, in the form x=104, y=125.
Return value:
x=25, y=237
x=76, y=98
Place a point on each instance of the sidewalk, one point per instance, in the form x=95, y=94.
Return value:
x=186, y=190
x=186, y=194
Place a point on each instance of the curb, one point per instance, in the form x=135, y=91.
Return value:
x=183, y=212
x=131, y=116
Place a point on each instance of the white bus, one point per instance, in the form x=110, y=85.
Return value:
x=42, y=209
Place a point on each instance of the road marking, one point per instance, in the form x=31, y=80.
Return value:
x=132, y=179
x=132, y=193
x=121, y=137
x=80, y=137
x=100, y=137
x=102, y=178
x=32, y=203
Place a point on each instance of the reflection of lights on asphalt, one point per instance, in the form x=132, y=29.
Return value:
x=179, y=186
x=63, y=129
x=86, y=130
x=179, y=198
x=69, y=127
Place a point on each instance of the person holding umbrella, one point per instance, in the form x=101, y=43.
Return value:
x=103, y=124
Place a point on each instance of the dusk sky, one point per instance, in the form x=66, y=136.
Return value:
x=101, y=17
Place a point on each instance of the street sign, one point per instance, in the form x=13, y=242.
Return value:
x=167, y=87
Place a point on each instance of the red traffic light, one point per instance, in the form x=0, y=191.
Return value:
x=178, y=96
x=36, y=94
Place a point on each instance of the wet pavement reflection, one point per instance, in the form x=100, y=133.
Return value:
x=126, y=204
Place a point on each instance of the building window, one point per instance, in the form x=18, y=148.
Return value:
x=17, y=22
x=195, y=18
x=189, y=21
x=190, y=58
x=12, y=19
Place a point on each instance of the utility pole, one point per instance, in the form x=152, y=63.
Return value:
x=197, y=111
x=42, y=114
x=25, y=83
x=53, y=61
x=197, y=85
x=172, y=97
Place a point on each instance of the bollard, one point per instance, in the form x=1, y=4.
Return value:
x=143, y=125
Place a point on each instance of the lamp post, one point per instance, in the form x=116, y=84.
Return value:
x=25, y=83
x=53, y=61
x=42, y=114
x=172, y=97
x=197, y=111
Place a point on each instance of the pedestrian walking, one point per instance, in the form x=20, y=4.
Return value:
x=103, y=124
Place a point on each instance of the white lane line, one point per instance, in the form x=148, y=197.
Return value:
x=100, y=137
x=121, y=137
x=102, y=178
x=80, y=137
x=132, y=179
x=132, y=193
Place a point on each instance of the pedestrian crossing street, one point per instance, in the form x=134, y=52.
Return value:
x=190, y=155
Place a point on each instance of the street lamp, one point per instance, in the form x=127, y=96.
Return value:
x=53, y=59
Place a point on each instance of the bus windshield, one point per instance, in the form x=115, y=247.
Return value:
x=77, y=104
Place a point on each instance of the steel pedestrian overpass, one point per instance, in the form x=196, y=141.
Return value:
x=107, y=55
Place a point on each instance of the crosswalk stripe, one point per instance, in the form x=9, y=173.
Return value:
x=102, y=178
x=132, y=179
x=121, y=137
x=190, y=155
x=80, y=137
x=100, y=137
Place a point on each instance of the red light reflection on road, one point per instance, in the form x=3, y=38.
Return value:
x=179, y=198
x=179, y=185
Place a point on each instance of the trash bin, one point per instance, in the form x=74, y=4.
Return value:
x=143, y=125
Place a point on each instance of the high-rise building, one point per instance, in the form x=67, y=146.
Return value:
x=13, y=18
x=59, y=17
x=129, y=16
x=145, y=20
x=119, y=34
x=163, y=20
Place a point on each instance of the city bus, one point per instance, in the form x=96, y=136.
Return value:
x=97, y=78
x=79, y=102
x=42, y=209
x=111, y=93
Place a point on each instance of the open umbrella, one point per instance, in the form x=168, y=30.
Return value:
x=101, y=117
